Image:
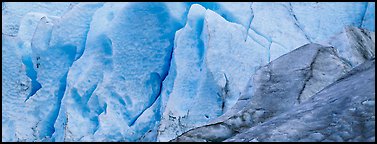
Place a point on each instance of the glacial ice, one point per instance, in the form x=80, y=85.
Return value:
x=369, y=17
x=15, y=88
x=153, y=71
x=13, y=12
x=354, y=45
x=192, y=100
x=333, y=17
x=219, y=75
x=299, y=23
x=132, y=56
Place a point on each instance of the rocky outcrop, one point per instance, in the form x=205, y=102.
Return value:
x=343, y=111
x=278, y=87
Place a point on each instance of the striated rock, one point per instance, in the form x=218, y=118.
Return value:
x=343, y=111
x=278, y=87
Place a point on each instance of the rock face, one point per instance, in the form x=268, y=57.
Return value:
x=343, y=111
x=153, y=71
x=283, y=84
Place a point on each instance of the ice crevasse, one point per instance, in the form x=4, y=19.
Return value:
x=148, y=71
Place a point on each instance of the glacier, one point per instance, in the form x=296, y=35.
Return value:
x=186, y=71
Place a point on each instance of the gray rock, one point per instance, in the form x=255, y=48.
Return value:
x=278, y=87
x=337, y=113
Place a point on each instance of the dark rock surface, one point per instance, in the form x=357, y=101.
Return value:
x=344, y=111
x=286, y=83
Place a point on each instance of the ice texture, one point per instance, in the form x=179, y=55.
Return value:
x=218, y=72
x=369, y=17
x=13, y=12
x=15, y=89
x=118, y=80
x=354, y=45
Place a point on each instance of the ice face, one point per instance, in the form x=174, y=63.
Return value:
x=13, y=12
x=299, y=23
x=218, y=71
x=124, y=83
x=369, y=17
x=152, y=71
x=193, y=98
x=324, y=26
x=15, y=89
